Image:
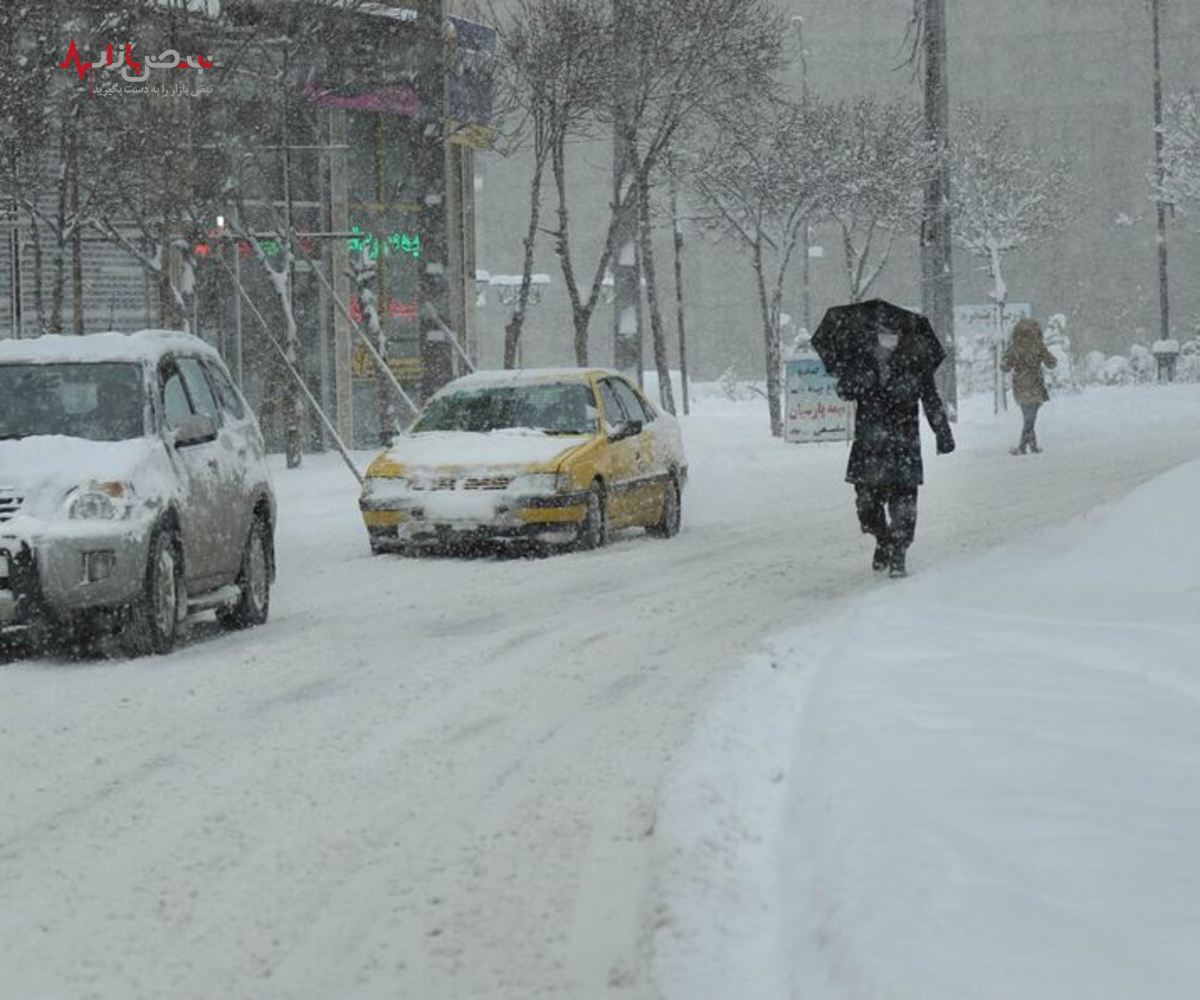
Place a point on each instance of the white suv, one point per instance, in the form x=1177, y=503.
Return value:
x=133, y=489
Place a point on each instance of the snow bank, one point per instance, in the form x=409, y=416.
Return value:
x=983, y=782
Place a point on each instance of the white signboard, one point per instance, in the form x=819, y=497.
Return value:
x=813, y=410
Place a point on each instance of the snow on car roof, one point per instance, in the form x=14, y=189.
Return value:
x=143, y=346
x=523, y=376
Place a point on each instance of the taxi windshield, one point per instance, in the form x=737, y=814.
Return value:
x=553, y=408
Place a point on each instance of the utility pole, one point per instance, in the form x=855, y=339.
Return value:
x=806, y=241
x=937, y=255
x=1164, y=309
x=627, y=287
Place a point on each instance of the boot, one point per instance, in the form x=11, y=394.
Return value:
x=882, y=556
x=1019, y=450
x=1033, y=445
x=896, y=567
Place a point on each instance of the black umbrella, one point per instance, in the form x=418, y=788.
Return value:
x=848, y=335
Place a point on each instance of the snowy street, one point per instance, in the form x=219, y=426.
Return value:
x=441, y=778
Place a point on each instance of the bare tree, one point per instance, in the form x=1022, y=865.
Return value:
x=883, y=162
x=48, y=129
x=1007, y=198
x=688, y=56
x=759, y=178
x=554, y=67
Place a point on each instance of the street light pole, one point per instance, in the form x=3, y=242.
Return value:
x=1160, y=174
x=937, y=254
x=798, y=24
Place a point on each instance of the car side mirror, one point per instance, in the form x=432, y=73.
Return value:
x=631, y=428
x=199, y=428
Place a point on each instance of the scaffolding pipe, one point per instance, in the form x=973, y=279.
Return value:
x=341, y=445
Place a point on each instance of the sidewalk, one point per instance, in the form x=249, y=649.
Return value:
x=983, y=782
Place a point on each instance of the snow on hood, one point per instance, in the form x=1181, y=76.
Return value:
x=44, y=469
x=512, y=448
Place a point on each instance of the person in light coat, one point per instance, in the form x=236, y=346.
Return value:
x=1026, y=356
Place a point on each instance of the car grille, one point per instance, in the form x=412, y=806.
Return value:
x=444, y=483
x=10, y=505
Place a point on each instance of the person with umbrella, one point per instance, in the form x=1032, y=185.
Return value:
x=884, y=359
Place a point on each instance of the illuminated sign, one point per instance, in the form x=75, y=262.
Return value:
x=401, y=243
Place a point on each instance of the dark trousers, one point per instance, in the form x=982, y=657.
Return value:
x=1028, y=431
x=888, y=512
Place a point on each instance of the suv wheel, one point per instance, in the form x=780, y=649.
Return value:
x=154, y=624
x=254, y=581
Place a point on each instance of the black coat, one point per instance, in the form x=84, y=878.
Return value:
x=887, y=434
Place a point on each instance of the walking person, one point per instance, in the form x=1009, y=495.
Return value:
x=1025, y=357
x=884, y=359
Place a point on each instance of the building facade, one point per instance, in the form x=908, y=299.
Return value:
x=353, y=179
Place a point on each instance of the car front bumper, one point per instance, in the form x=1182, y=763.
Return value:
x=80, y=568
x=442, y=519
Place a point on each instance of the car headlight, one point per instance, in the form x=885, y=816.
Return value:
x=536, y=484
x=100, y=502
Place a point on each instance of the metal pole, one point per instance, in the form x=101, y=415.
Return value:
x=236, y=274
x=937, y=255
x=627, y=323
x=366, y=339
x=1164, y=308
x=312, y=400
x=806, y=241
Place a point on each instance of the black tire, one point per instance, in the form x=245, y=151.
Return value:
x=154, y=617
x=593, y=532
x=254, y=581
x=672, y=512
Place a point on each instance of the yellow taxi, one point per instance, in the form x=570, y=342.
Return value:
x=552, y=456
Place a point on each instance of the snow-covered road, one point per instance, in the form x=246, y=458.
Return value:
x=438, y=778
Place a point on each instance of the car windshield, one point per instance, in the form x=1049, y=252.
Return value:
x=553, y=408
x=99, y=402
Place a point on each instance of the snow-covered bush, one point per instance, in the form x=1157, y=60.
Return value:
x=1064, y=376
x=1094, y=366
x=737, y=389
x=1143, y=364
x=1119, y=371
x=1188, y=369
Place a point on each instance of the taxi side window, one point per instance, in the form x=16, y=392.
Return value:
x=176, y=405
x=632, y=402
x=614, y=413
x=198, y=388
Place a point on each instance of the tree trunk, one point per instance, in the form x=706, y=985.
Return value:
x=76, y=243
x=39, y=271
x=58, y=289
x=771, y=343
x=666, y=393
x=513, y=328
x=677, y=234
x=581, y=311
